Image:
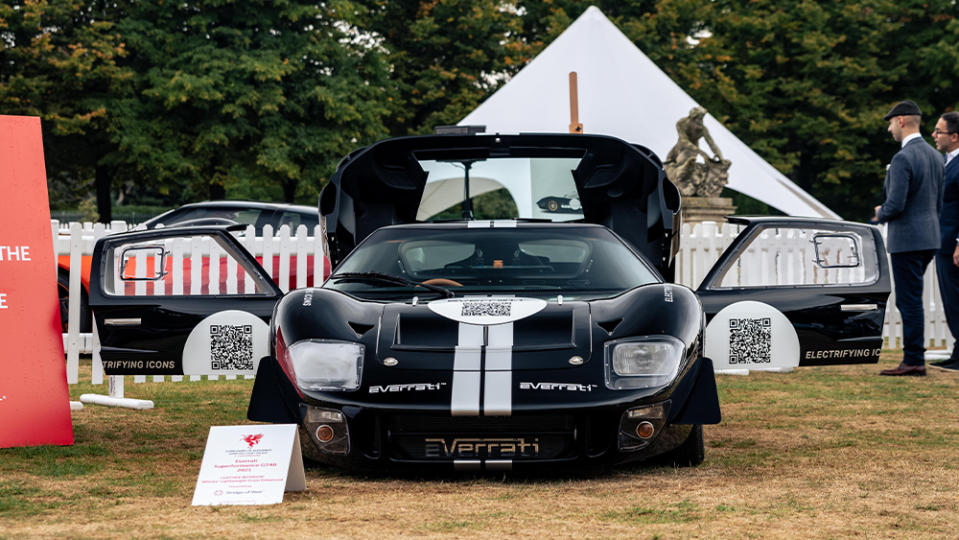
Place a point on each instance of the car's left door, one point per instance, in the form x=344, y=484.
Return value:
x=794, y=292
x=180, y=301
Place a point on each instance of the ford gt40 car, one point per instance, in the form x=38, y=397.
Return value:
x=502, y=344
x=567, y=204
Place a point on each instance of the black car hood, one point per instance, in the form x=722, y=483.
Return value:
x=620, y=185
x=419, y=338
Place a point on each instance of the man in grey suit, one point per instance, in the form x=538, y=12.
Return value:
x=946, y=136
x=913, y=186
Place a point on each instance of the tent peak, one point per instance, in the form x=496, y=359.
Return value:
x=622, y=93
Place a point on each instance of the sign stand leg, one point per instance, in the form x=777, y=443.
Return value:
x=116, y=399
x=114, y=385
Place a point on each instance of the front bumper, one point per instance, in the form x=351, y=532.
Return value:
x=384, y=439
x=409, y=435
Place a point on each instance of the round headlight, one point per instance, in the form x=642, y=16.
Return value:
x=643, y=363
x=327, y=365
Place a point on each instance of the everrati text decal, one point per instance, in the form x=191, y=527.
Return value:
x=411, y=387
x=569, y=387
x=481, y=447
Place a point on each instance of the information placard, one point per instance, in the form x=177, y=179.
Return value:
x=34, y=400
x=252, y=464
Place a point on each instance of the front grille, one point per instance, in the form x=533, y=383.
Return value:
x=518, y=438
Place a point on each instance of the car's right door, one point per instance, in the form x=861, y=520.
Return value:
x=796, y=291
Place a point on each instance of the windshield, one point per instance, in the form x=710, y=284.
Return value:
x=577, y=262
x=540, y=188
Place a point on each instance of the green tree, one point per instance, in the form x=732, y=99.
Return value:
x=498, y=204
x=59, y=61
x=446, y=56
x=247, y=98
x=804, y=83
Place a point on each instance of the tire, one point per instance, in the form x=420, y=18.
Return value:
x=692, y=452
x=63, y=293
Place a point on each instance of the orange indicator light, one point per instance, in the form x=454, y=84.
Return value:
x=324, y=433
x=644, y=430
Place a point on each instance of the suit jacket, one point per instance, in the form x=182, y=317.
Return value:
x=949, y=218
x=913, y=198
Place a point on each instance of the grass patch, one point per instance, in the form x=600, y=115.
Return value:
x=58, y=461
x=681, y=512
x=447, y=526
x=824, y=452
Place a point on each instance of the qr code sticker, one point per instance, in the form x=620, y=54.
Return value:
x=749, y=341
x=491, y=309
x=231, y=347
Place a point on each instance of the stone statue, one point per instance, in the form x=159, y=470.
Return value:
x=696, y=178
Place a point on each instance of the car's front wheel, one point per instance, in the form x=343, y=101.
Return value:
x=63, y=293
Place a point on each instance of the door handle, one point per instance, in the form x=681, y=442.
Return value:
x=859, y=307
x=133, y=321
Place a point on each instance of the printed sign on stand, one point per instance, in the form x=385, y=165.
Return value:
x=34, y=399
x=252, y=464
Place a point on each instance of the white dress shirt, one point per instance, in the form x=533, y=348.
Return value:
x=950, y=155
x=909, y=138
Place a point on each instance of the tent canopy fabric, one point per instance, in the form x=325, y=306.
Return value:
x=622, y=93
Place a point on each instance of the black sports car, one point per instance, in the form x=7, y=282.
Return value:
x=568, y=204
x=495, y=345
x=258, y=214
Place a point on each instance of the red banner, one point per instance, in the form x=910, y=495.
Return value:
x=34, y=400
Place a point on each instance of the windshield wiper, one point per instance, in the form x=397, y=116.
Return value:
x=377, y=277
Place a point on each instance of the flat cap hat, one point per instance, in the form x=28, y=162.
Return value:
x=903, y=108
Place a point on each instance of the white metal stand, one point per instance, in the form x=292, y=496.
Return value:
x=114, y=384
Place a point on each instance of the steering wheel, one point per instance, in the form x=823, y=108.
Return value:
x=441, y=282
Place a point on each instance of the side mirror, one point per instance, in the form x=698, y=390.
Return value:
x=146, y=254
x=836, y=250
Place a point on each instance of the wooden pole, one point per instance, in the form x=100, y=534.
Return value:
x=575, y=126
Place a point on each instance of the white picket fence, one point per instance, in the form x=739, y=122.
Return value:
x=700, y=247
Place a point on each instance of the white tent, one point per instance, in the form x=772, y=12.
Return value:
x=622, y=93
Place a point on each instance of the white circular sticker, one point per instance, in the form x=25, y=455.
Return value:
x=751, y=335
x=487, y=310
x=226, y=343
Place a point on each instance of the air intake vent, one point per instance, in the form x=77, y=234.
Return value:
x=609, y=326
x=360, y=328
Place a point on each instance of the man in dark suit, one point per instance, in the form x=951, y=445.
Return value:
x=913, y=187
x=946, y=136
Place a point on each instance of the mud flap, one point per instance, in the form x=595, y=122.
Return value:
x=700, y=399
x=273, y=398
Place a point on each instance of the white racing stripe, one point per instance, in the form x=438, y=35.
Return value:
x=467, y=355
x=466, y=393
x=467, y=363
x=498, y=387
x=476, y=384
x=491, y=224
x=499, y=347
x=498, y=393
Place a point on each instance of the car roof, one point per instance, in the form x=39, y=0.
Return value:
x=495, y=224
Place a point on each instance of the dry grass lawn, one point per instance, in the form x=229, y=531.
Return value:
x=834, y=452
